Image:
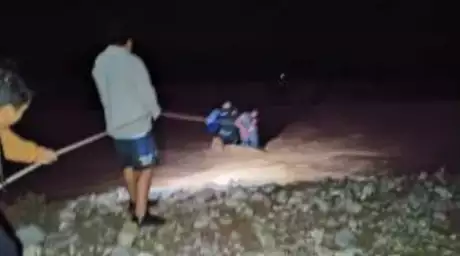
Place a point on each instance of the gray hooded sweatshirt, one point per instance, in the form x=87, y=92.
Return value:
x=126, y=92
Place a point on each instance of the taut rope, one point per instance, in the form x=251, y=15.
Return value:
x=89, y=140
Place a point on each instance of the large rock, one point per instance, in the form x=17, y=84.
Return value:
x=30, y=235
x=33, y=250
x=127, y=234
x=125, y=251
x=32, y=238
x=61, y=239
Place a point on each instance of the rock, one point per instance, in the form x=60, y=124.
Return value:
x=268, y=188
x=67, y=215
x=32, y=250
x=145, y=254
x=225, y=220
x=344, y=238
x=257, y=197
x=443, y=192
x=239, y=193
x=367, y=191
x=353, y=207
x=439, y=175
x=423, y=176
x=204, y=195
x=331, y=223
x=317, y=235
x=274, y=253
x=281, y=197
x=248, y=212
x=264, y=236
x=61, y=239
x=296, y=198
x=349, y=252
x=128, y=234
x=121, y=251
x=201, y=222
x=322, y=205
x=324, y=219
x=323, y=251
x=30, y=235
x=232, y=202
x=253, y=254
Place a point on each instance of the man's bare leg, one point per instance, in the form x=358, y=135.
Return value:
x=217, y=145
x=142, y=192
x=142, y=200
x=131, y=179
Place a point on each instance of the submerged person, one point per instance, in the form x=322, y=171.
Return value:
x=130, y=105
x=247, y=125
x=15, y=98
x=221, y=123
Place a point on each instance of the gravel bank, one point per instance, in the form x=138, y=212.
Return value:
x=378, y=216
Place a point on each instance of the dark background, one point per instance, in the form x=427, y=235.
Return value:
x=405, y=50
x=363, y=49
x=238, y=40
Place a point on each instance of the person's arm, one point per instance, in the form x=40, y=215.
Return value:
x=253, y=125
x=18, y=149
x=147, y=93
x=239, y=124
x=100, y=81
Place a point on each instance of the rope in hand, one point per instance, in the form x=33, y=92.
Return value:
x=89, y=140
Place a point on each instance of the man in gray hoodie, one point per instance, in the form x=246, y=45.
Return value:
x=130, y=105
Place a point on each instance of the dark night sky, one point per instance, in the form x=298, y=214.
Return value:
x=180, y=38
x=55, y=45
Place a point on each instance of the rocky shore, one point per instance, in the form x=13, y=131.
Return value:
x=377, y=216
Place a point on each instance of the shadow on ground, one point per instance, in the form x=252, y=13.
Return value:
x=9, y=231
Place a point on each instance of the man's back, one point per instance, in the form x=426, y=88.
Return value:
x=127, y=96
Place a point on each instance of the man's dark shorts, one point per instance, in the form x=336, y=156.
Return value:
x=138, y=153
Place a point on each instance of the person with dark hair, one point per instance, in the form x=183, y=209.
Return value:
x=130, y=105
x=117, y=34
x=221, y=124
x=15, y=98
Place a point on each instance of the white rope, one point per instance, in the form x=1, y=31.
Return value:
x=89, y=140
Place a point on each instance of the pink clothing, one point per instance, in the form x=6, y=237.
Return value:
x=246, y=124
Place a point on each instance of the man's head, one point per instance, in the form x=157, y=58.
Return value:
x=254, y=113
x=227, y=105
x=119, y=36
x=15, y=98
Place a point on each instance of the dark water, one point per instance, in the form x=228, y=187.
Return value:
x=67, y=109
x=199, y=75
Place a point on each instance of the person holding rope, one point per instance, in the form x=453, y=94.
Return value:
x=15, y=98
x=130, y=105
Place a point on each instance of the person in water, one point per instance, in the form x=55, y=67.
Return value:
x=221, y=124
x=247, y=126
